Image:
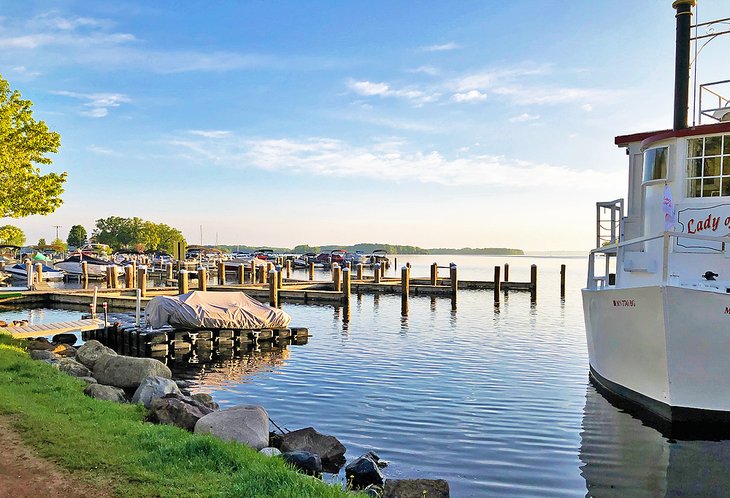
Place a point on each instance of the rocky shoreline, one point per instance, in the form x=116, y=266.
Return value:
x=126, y=379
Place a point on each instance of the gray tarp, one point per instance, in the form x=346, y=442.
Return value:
x=213, y=310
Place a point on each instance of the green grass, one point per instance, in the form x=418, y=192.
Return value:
x=109, y=445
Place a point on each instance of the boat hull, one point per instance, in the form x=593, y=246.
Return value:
x=664, y=348
x=74, y=268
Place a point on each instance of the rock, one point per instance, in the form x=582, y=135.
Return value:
x=373, y=491
x=65, y=350
x=329, y=449
x=88, y=380
x=206, y=400
x=42, y=354
x=176, y=409
x=91, y=351
x=69, y=339
x=40, y=343
x=154, y=387
x=270, y=451
x=375, y=458
x=416, y=488
x=307, y=462
x=128, y=371
x=247, y=424
x=73, y=368
x=107, y=393
x=363, y=472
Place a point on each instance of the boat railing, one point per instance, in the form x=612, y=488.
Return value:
x=617, y=251
x=718, y=105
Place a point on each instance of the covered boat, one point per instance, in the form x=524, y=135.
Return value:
x=213, y=310
x=95, y=266
x=18, y=271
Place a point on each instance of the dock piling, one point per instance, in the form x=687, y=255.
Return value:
x=142, y=280
x=346, y=286
x=273, y=289
x=253, y=271
x=454, y=280
x=311, y=270
x=376, y=273
x=562, y=281
x=288, y=268
x=336, y=283
x=405, y=274
x=434, y=274
x=240, y=272
x=203, y=279
x=360, y=267
x=85, y=274
x=182, y=282
x=533, y=284
x=128, y=277
x=497, y=285
x=39, y=272
x=506, y=273
x=221, y=273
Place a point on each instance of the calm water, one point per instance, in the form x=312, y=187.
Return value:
x=496, y=401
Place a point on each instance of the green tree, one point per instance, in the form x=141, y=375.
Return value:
x=11, y=235
x=76, y=236
x=41, y=242
x=58, y=245
x=24, y=143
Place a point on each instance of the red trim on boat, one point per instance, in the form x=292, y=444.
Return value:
x=650, y=137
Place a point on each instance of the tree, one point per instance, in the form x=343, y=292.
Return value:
x=127, y=233
x=58, y=245
x=24, y=143
x=11, y=235
x=76, y=236
x=41, y=242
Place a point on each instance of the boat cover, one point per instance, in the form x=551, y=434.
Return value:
x=213, y=310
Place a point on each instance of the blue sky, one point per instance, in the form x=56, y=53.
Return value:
x=439, y=124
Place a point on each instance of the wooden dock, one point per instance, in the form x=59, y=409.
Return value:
x=25, y=331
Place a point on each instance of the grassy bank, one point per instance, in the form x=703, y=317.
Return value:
x=110, y=445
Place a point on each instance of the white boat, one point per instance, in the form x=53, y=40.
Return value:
x=95, y=267
x=18, y=271
x=657, y=300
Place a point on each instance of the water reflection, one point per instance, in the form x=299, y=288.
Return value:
x=623, y=456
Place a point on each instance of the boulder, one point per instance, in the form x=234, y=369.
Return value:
x=69, y=339
x=128, y=371
x=88, y=380
x=73, y=368
x=270, y=451
x=65, y=350
x=329, y=449
x=107, y=393
x=375, y=458
x=247, y=424
x=179, y=410
x=416, y=488
x=40, y=343
x=42, y=354
x=373, y=491
x=307, y=462
x=154, y=387
x=362, y=472
x=206, y=399
x=91, y=351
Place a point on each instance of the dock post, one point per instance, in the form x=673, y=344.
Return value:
x=497, y=285
x=128, y=277
x=383, y=266
x=29, y=273
x=360, y=266
x=434, y=274
x=253, y=271
x=288, y=268
x=346, y=286
x=138, y=310
x=202, y=279
x=404, y=289
x=376, y=273
x=134, y=273
x=168, y=273
x=506, y=273
x=240, y=273
x=39, y=272
x=182, y=282
x=279, y=276
x=562, y=281
x=454, y=280
x=85, y=274
x=221, y=273
x=336, y=284
x=273, y=289
x=114, y=277
x=142, y=280
x=311, y=270
x=533, y=283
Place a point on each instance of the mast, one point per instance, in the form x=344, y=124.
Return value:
x=681, y=61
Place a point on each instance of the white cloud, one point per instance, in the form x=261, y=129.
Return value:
x=470, y=96
x=524, y=117
x=98, y=104
x=210, y=133
x=587, y=107
x=430, y=70
x=370, y=89
x=101, y=150
x=441, y=48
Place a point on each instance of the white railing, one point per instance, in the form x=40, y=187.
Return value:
x=617, y=251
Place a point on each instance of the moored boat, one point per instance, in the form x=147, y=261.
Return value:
x=94, y=266
x=657, y=306
x=18, y=271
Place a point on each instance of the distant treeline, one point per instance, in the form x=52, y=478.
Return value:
x=389, y=248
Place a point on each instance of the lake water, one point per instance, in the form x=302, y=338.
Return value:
x=495, y=400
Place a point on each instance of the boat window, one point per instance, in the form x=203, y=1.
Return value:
x=708, y=166
x=655, y=164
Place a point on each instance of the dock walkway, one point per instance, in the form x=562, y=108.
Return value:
x=25, y=331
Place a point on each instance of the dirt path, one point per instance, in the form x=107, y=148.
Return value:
x=23, y=474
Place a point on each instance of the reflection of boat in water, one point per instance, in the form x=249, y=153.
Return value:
x=18, y=271
x=621, y=456
x=656, y=316
x=94, y=266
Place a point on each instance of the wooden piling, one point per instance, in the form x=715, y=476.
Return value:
x=562, y=281
x=376, y=273
x=336, y=283
x=533, y=283
x=253, y=271
x=202, y=279
x=168, y=271
x=506, y=272
x=497, y=284
x=240, y=273
x=85, y=274
x=287, y=266
x=39, y=273
x=264, y=273
x=112, y=278
x=454, y=280
x=434, y=274
x=221, y=273
x=182, y=282
x=382, y=270
x=273, y=289
x=405, y=289
x=134, y=273
x=142, y=280
x=128, y=277
x=346, y=286
x=279, y=276
x=311, y=270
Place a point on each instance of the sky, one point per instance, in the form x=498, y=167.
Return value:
x=436, y=124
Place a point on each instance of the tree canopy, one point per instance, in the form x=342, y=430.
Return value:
x=24, y=143
x=76, y=236
x=11, y=235
x=137, y=234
